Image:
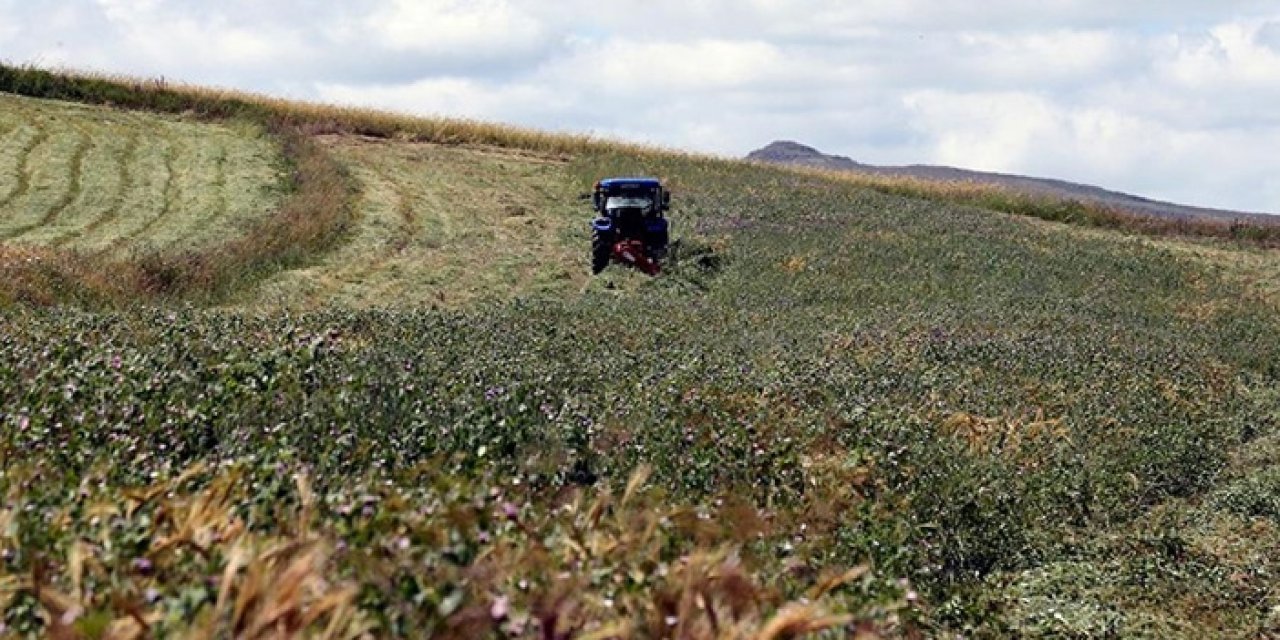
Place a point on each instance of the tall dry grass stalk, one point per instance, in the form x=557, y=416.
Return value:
x=164, y=96
x=598, y=567
x=270, y=586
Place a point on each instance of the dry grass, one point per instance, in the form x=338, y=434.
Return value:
x=597, y=566
x=39, y=276
x=1005, y=435
x=312, y=118
x=267, y=586
x=445, y=225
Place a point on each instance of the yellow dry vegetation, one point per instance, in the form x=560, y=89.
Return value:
x=1257, y=270
x=1004, y=433
x=269, y=587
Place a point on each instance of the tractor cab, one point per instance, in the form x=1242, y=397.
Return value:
x=626, y=194
x=631, y=226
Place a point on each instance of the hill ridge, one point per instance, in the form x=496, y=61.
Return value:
x=789, y=152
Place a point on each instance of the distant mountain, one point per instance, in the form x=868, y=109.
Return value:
x=793, y=153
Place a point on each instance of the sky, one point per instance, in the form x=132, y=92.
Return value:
x=1176, y=100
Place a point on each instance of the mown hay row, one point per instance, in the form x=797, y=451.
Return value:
x=105, y=191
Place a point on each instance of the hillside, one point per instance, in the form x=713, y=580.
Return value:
x=792, y=153
x=97, y=179
x=447, y=226
x=395, y=404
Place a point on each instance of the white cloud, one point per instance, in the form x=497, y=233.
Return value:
x=453, y=28
x=454, y=97
x=1171, y=99
x=1025, y=133
x=1040, y=58
x=632, y=69
x=1268, y=35
x=127, y=11
x=9, y=27
x=1229, y=56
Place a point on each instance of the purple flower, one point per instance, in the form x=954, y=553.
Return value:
x=69, y=618
x=500, y=608
x=143, y=566
x=511, y=511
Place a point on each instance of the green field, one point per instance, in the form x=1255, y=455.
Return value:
x=98, y=179
x=841, y=411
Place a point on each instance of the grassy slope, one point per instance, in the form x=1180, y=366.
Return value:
x=1045, y=429
x=446, y=226
x=312, y=215
x=95, y=179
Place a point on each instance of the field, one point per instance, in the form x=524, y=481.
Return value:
x=842, y=411
x=446, y=226
x=100, y=180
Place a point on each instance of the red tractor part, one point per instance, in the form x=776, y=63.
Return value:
x=632, y=252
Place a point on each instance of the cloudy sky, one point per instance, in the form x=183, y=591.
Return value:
x=1172, y=99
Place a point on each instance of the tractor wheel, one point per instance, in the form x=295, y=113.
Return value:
x=601, y=251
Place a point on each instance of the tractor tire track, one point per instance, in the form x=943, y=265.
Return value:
x=360, y=267
x=221, y=206
x=24, y=165
x=83, y=143
x=385, y=203
x=21, y=117
x=9, y=130
x=404, y=208
x=172, y=193
x=125, y=160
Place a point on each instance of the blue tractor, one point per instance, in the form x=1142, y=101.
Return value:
x=631, y=226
